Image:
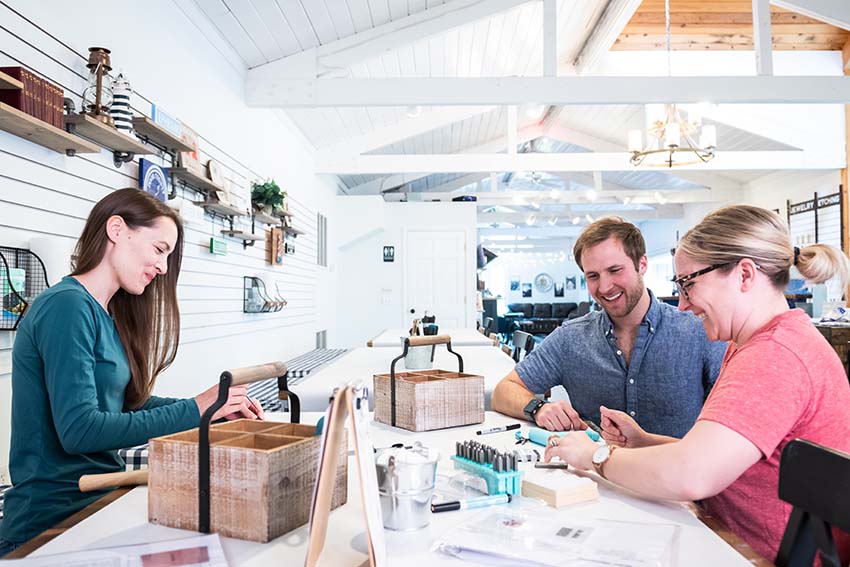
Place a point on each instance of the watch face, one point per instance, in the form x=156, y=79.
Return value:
x=601, y=454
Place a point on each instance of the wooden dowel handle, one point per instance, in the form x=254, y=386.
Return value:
x=90, y=482
x=430, y=340
x=251, y=374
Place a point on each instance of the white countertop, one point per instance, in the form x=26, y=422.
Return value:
x=364, y=362
x=124, y=521
x=460, y=337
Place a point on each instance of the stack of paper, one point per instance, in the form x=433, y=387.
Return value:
x=558, y=487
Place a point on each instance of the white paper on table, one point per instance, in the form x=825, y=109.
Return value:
x=198, y=551
x=502, y=535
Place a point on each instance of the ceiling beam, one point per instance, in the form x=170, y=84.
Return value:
x=833, y=12
x=762, y=39
x=617, y=14
x=660, y=212
x=377, y=186
x=619, y=161
x=550, y=38
x=542, y=198
x=571, y=136
x=337, y=56
x=587, y=90
x=407, y=128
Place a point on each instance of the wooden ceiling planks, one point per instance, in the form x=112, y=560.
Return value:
x=697, y=25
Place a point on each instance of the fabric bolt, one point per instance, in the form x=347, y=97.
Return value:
x=672, y=369
x=69, y=373
x=786, y=382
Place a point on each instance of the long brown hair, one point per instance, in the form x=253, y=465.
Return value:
x=148, y=324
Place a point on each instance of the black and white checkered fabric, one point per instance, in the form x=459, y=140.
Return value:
x=298, y=370
x=3, y=489
x=301, y=366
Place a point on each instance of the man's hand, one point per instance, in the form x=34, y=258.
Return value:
x=559, y=416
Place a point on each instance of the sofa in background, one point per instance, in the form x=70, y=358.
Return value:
x=543, y=318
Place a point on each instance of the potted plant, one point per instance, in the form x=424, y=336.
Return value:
x=267, y=196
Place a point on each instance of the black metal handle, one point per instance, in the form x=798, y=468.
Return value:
x=433, y=341
x=229, y=378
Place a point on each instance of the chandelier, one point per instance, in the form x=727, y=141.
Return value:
x=673, y=139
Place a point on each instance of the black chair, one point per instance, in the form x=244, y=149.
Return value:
x=523, y=344
x=487, y=327
x=815, y=480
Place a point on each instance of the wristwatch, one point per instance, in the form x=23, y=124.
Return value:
x=601, y=456
x=532, y=407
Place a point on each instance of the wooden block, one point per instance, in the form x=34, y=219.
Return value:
x=430, y=399
x=262, y=478
x=558, y=487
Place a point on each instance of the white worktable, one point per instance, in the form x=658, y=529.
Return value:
x=364, y=362
x=124, y=521
x=460, y=337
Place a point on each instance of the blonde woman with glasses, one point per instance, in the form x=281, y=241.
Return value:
x=780, y=380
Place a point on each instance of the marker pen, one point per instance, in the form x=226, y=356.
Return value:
x=471, y=503
x=499, y=429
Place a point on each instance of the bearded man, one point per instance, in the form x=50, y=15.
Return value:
x=636, y=354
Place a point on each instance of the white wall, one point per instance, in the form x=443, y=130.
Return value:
x=169, y=62
x=370, y=294
x=774, y=190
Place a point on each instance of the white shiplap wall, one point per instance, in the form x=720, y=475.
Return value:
x=171, y=63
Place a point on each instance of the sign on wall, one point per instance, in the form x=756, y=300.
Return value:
x=817, y=220
x=389, y=253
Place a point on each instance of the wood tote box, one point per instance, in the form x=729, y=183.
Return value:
x=262, y=478
x=430, y=399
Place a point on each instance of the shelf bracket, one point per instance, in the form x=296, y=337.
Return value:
x=120, y=158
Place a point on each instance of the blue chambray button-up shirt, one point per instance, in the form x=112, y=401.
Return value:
x=672, y=369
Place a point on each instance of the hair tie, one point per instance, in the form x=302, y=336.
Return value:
x=796, y=255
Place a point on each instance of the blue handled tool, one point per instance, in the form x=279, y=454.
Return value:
x=541, y=436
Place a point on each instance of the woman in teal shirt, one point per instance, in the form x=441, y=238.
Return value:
x=85, y=360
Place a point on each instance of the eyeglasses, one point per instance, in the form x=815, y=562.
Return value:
x=682, y=282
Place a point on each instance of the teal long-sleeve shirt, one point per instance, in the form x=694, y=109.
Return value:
x=69, y=373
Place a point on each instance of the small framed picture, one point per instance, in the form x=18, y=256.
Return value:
x=215, y=174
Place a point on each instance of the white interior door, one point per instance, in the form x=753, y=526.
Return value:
x=435, y=277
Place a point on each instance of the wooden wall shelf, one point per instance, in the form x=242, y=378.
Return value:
x=221, y=209
x=8, y=82
x=106, y=136
x=147, y=128
x=292, y=231
x=265, y=219
x=40, y=132
x=194, y=179
x=247, y=236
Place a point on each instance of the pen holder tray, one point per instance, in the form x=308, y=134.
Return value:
x=497, y=483
x=430, y=399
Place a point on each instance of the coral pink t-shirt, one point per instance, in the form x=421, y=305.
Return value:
x=786, y=382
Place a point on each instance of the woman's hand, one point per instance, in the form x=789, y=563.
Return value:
x=575, y=449
x=618, y=428
x=238, y=404
x=256, y=409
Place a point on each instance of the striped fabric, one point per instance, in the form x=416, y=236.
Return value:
x=298, y=370
x=301, y=366
x=3, y=489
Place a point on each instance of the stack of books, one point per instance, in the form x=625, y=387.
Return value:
x=39, y=98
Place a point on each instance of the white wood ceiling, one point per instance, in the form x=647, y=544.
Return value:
x=509, y=43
